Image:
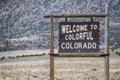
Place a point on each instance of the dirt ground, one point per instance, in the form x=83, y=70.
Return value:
x=65, y=68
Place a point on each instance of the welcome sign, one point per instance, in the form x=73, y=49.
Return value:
x=76, y=37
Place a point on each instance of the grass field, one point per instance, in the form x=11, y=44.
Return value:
x=37, y=67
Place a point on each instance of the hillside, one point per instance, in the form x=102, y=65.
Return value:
x=23, y=27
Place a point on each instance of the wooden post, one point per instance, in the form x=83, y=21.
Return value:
x=107, y=43
x=51, y=48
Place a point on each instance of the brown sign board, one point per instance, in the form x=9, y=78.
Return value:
x=78, y=37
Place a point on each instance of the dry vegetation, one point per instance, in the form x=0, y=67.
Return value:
x=65, y=68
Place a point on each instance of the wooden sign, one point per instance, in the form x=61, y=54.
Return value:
x=76, y=37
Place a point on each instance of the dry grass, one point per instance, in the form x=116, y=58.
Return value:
x=65, y=69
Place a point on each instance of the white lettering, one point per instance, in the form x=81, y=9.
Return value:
x=94, y=45
x=63, y=45
x=80, y=36
x=66, y=37
x=63, y=29
x=78, y=45
x=93, y=27
x=74, y=28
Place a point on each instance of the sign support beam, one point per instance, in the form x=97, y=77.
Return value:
x=106, y=43
x=76, y=15
x=79, y=55
x=51, y=48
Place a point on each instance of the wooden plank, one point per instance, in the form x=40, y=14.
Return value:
x=79, y=55
x=51, y=49
x=76, y=15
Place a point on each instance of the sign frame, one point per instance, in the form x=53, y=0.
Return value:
x=106, y=51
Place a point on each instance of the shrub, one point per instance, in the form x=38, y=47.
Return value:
x=2, y=58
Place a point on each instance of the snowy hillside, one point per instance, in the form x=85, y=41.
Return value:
x=22, y=25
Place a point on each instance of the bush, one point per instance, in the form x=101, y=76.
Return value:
x=2, y=58
x=43, y=53
x=118, y=53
